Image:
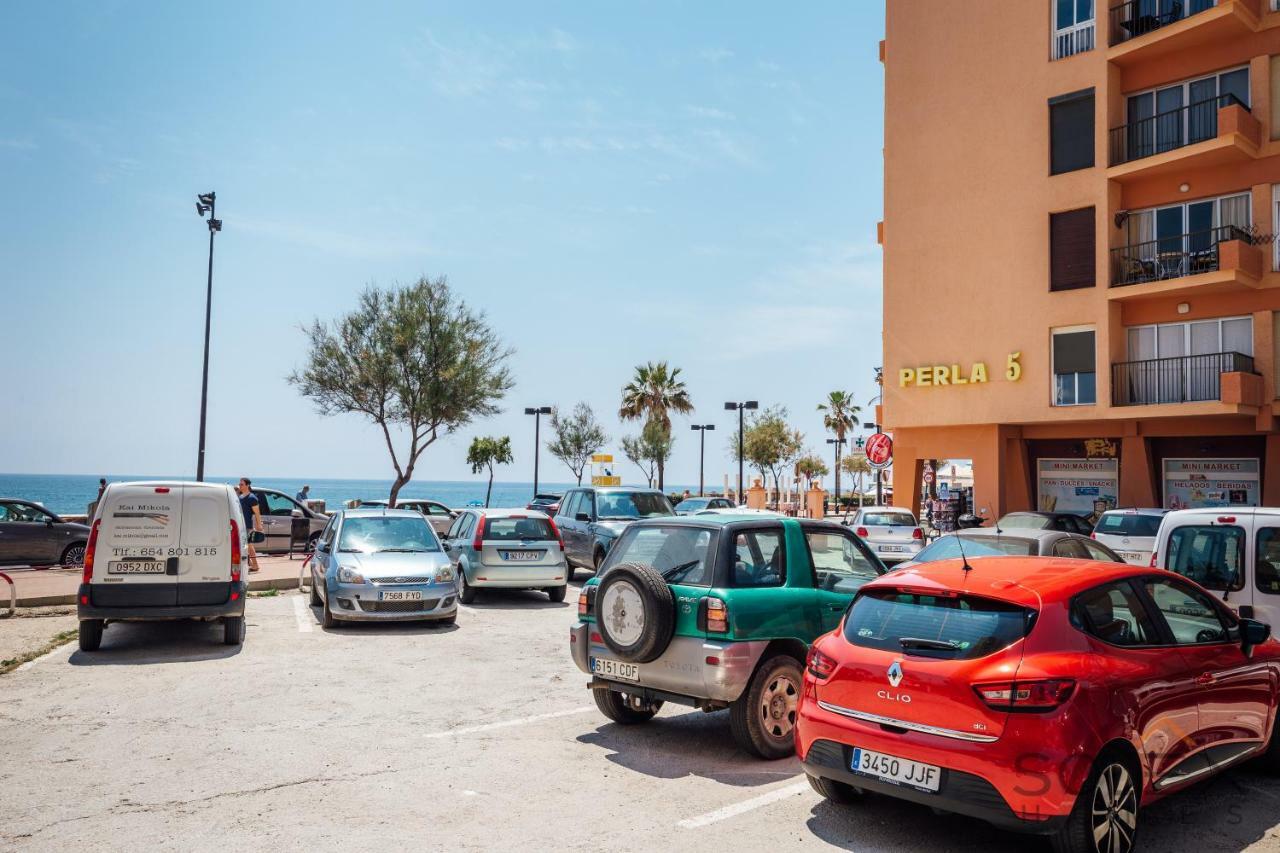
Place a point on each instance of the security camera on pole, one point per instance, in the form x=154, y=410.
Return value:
x=205, y=204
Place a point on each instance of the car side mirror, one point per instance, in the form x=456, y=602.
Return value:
x=48, y=522
x=582, y=516
x=297, y=513
x=1253, y=633
x=446, y=546
x=322, y=548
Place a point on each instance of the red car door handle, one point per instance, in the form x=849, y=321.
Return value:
x=1206, y=678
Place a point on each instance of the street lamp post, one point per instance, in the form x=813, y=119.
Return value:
x=537, y=412
x=741, y=407
x=702, y=451
x=837, y=442
x=205, y=204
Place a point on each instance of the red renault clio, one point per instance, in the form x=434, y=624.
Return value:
x=1043, y=695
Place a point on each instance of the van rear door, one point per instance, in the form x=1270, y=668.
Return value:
x=204, y=559
x=139, y=530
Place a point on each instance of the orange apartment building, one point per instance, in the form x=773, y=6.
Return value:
x=1080, y=273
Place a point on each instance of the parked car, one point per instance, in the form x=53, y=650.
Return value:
x=1065, y=521
x=161, y=551
x=1131, y=533
x=716, y=611
x=592, y=518
x=1040, y=700
x=285, y=520
x=546, y=503
x=438, y=515
x=375, y=565
x=506, y=548
x=985, y=541
x=892, y=532
x=31, y=535
x=689, y=506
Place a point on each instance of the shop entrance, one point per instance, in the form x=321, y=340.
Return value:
x=948, y=496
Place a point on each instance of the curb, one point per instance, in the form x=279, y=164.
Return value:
x=255, y=585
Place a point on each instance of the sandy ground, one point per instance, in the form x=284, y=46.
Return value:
x=30, y=629
x=477, y=737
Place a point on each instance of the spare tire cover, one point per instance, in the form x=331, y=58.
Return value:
x=635, y=612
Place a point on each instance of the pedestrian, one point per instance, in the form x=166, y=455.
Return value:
x=687, y=494
x=102, y=487
x=252, y=520
x=301, y=496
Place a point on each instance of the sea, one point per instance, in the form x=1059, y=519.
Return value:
x=72, y=493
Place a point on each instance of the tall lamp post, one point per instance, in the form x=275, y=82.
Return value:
x=741, y=407
x=205, y=204
x=837, y=442
x=702, y=451
x=537, y=412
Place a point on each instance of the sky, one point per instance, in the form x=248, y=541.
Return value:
x=609, y=183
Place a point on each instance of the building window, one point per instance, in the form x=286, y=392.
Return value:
x=1182, y=362
x=1180, y=239
x=1072, y=249
x=1180, y=113
x=1071, y=132
x=1073, y=28
x=1074, y=375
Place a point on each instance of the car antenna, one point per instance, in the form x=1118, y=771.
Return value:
x=960, y=544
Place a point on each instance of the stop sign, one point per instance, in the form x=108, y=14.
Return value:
x=879, y=450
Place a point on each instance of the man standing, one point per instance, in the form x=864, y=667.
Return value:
x=252, y=520
x=102, y=487
x=301, y=497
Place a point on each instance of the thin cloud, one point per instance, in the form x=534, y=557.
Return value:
x=715, y=55
x=709, y=113
x=335, y=242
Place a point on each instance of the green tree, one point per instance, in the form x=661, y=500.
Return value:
x=413, y=360
x=856, y=466
x=654, y=392
x=486, y=452
x=811, y=467
x=577, y=438
x=840, y=416
x=769, y=444
x=649, y=450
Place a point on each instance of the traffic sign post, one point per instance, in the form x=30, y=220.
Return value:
x=879, y=450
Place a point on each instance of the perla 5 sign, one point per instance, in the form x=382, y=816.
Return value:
x=955, y=374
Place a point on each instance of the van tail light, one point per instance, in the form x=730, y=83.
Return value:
x=819, y=665
x=1093, y=536
x=1226, y=519
x=478, y=543
x=862, y=532
x=235, y=552
x=556, y=531
x=1154, y=557
x=1041, y=695
x=917, y=534
x=89, y=551
x=715, y=616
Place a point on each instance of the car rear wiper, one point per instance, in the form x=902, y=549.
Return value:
x=682, y=567
x=935, y=645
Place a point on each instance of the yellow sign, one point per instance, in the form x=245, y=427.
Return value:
x=605, y=481
x=601, y=457
x=952, y=374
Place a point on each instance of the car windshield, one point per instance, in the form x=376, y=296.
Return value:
x=374, y=533
x=516, y=528
x=957, y=627
x=949, y=547
x=681, y=554
x=692, y=504
x=888, y=519
x=1025, y=521
x=623, y=505
x=1128, y=524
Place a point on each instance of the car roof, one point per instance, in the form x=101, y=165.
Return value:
x=1045, y=513
x=507, y=512
x=1031, y=533
x=1175, y=514
x=375, y=511
x=1137, y=510
x=625, y=489
x=884, y=508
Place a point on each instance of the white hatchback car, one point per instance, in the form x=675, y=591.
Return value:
x=508, y=549
x=1131, y=533
x=892, y=532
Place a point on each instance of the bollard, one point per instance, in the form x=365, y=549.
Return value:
x=13, y=593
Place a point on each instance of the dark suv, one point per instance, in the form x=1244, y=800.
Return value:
x=592, y=518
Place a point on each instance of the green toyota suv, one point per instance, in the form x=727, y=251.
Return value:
x=716, y=612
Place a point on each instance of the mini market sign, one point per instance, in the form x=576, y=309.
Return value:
x=954, y=374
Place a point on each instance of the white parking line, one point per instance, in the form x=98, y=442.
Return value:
x=745, y=806
x=303, y=614
x=505, y=724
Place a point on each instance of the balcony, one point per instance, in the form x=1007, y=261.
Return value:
x=1078, y=38
x=1226, y=258
x=1143, y=30
x=1186, y=379
x=1214, y=132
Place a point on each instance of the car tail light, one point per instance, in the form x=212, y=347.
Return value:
x=1154, y=557
x=235, y=552
x=1226, y=519
x=819, y=665
x=862, y=532
x=89, y=552
x=717, y=615
x=917, y=533
x=162, y=490
x=556, y=531
x=1093, y=536
x=582, y=603
x=478, y=544
x=1040, y=695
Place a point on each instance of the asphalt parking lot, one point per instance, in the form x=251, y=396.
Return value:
x=478, y=736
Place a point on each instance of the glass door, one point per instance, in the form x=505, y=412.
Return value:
x=1202, y=118
x=1169, y=121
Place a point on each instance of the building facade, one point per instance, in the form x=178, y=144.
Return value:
x=1081, y=291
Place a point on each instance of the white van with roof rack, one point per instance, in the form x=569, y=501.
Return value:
x=161, y=551
x=1234, y=552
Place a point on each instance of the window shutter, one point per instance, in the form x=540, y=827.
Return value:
x=1072, y=249
x=1073, y=352
x=1071, y=132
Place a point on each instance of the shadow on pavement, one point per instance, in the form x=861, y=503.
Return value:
x=388, y=628
x=137, y=643
x=520, y=599
x=673, y=746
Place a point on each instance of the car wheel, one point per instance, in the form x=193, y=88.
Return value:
x=315, y=592
x=597, y=559
x=557, y=593
x=466, y=592
x=74, y=555
x=326, y=616
x=622, y=708
x=763, y=718
x=1270, y=759
x=1105, y=817
x=90, y=634
x=635, y=612
x=836, y=792
x=232, y=630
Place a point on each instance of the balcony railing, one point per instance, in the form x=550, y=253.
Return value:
x=1135, y=18
x=1183, y=379
x=1172, y=257
x=1169, y=130
x=1075, y=39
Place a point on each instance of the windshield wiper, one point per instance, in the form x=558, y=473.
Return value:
x=401, y=550
x=617, y=517
x=675, y=570
x=350, y=551
x=934, y=645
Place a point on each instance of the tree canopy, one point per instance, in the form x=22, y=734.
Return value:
x=654, y=392
x=486, y=452
x=576, y=438
x=769, y=444
x=650, y=449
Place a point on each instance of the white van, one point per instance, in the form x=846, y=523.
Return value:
x=1232, y=551
x=164, y=551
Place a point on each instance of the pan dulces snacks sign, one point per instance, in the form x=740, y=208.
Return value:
x=1083, y=486
x=1190, y=483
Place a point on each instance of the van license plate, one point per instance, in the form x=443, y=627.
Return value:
x=402, y=595
x=892, y=549
x=135, y=567
x=520, y=556
x=615, y=670
x=899, y=771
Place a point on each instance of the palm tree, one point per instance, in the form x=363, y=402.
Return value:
x=841, y=416
x=652, y=394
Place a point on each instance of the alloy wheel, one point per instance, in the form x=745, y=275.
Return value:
x=74, y=556
x=778, y=706
x=1115, y=811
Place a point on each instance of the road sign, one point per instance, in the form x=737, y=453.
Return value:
x=879, y=450
x=944, y=491
x=928, y=475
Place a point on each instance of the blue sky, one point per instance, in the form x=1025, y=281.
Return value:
x=610, y=183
